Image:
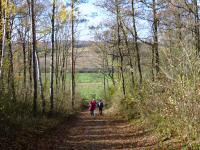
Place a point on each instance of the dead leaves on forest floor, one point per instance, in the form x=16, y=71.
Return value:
x=101, y=133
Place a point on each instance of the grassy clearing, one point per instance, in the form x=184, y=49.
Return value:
x=89, y=85
x=90, y=90
x=89, y=78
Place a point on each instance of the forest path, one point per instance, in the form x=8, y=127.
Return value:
x=100, y=133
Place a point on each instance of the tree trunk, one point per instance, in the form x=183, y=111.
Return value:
x=30, y=64
x=129, y=55
x=66, y=67
x=119, y=48
x=1, y=29
x=104, y=73
x=136, y=42
x=11, y=69
x=63, y=72
x=34, y=57
x=41, y=83
x=45, y=64
x=73, y=54
x=113, y=71
x=56, y=61
x=24, y=59
x=3, y=44
x=155, y=37
x=197, y=31
x=153, y=62
x=52, y=59
x=22, y=36
x=29, y=49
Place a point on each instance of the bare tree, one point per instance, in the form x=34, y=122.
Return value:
x=3, y=41
x=1, y=29
x=119, y=46
x=34, y=46
x=73, y=53
x=11, y=82
x=196, y=28
x=135, y=37
x=39, y=75
x=52, y=57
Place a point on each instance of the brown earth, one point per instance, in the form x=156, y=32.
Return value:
x=84, y=132
x=100, y=133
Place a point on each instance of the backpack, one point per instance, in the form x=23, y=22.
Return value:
x=100, y=104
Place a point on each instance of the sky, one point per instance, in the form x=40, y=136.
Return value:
x=94, y=16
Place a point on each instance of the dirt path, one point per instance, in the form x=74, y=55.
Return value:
x=100, y=133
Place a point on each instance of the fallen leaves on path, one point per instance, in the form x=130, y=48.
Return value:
x=84, y=132
x=101, y=133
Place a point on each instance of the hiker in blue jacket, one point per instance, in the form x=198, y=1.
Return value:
x=100, y=106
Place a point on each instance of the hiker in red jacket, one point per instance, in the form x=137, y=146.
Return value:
x=92, y=107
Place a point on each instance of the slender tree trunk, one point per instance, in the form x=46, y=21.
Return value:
x=66, y=67
x=41, y=83
x=104, y=74
x=22, y=36
x=3, y=43
x=73, y=54
x=63, y=67
x=29, y=49
x=24, y=59
x=52, y=59
x=153, y=62
x=119, y=49
x=113, y=71
x=129, y=56
x=108, y=69
x=34, y=57
x=197, y=31
x=136, y=41
x=45, y=63
x=30, y=63
x=9, y=45
x=1, y=29
x=56, y=65
x=25, y=62
x=155, y=37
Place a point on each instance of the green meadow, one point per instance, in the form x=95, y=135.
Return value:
x=88, y=85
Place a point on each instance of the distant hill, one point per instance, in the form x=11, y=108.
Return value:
x=87, y=58
x=81, y=44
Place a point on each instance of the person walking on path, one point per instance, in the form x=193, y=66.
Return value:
x=92, y=107
x=100, y=106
